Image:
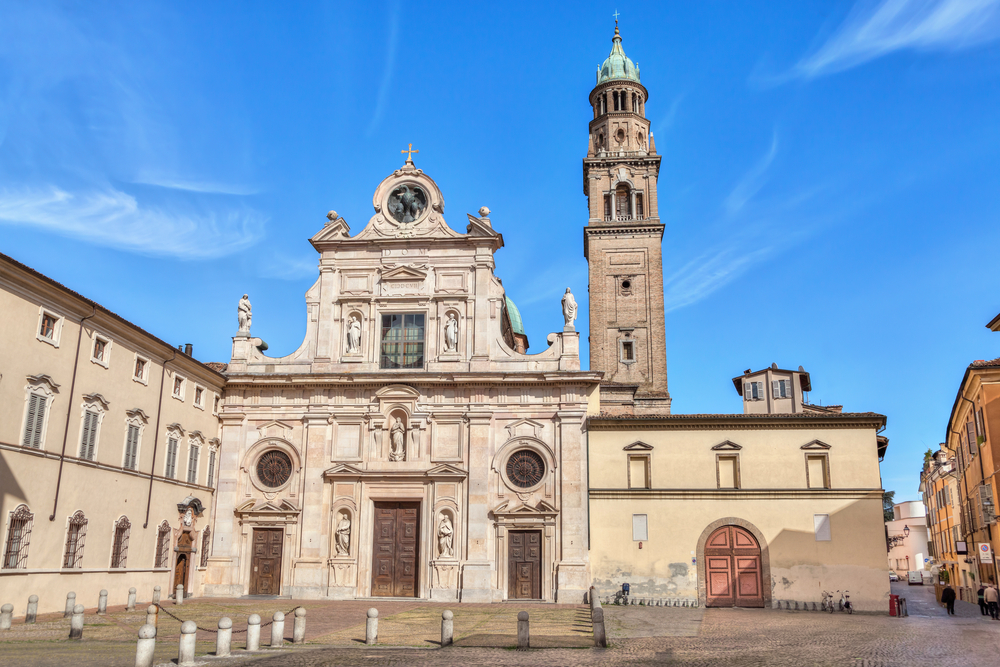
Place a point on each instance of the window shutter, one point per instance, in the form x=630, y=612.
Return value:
x=192, y=476
x=760, y=391
x=211, y=469
x=86, y=439
x=171, y=457
x=29, y=423
x=775, y=389
x=42, y=406
x=747, y=392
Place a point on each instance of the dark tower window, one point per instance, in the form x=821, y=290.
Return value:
x=628, y=351
x=622, y=203
x=639, y=212
x=607, y=207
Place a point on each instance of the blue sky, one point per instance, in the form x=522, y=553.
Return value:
x=830, y=180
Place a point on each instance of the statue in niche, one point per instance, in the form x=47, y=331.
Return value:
x=569, y=308
x=407, y=203
x=188, y=517
x=344, y=536
x=354, y=335
x=451, y=334
x=397, y=439
x=446, y=535
x=244, y=314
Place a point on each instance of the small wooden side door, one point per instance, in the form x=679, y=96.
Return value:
x=265, y=567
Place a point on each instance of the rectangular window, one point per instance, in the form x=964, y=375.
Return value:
x=728, y=472
x=119, y=552
x=192, y=477
x=980, y=426
x=131, y=447
x=640, y=214
x=88, y=440
x=215, y=405
x=781, y=388
x=640, y=532
x=162, y=558
x=753, y=391
x=76, y=535
x=18, y=537
x=100, y=346
x=628, y=350
x=638, y=472
x=817, y=472
x=403, y=340
x=179, y=387
x=970, y=434
x=171, y=468
x=199, y=397
x=140, y=369
x=821, y=524
x=48, y=326
x=34, y=422
x=211, y=469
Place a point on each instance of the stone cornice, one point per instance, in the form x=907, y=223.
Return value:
x=495, y=379
x=735, y=494
x=618, y=83
x=735, y=422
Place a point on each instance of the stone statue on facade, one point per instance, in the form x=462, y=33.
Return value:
x=344, y=536
x=354, y=335
x=244, y=314
x=451, y=334
x=397, y=438
x=569, y=309
x=188, y=517
x=446, y=535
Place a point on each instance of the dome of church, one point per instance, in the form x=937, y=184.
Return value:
x=515, y=316
x=617, y=65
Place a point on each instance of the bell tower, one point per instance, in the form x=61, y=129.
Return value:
x=622, y=242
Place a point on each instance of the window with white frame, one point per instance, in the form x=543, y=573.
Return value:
x=100, y=353
x=15, y=553
x=215, y=404
x=753, y=391
x=179, y=385
x=199, y=397
x=94, y=408
x=170, y=468
x=210, y=480
x=781, y=388
x=119, y=549
x=76, y=536
x=39, y=395
x=162, y=558
x=140, y=369
x=135, y=422
x=194, y=449
x=49, y=327
x=640, y=529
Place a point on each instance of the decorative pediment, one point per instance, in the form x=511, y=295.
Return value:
x=263, y=508
x=524, y=427
x=539, y=510
x=816, y=444
x=343, y=470
x=404, y=273
x=446, y=470
x=97, y=398
x=176, y=427
x=192, y=503
x=397, y=392
x=196, y=435
x=443, y=471
x=274, y=429
x=335, y=228
x=137, y=413
x=44, y=380
x=637, y=447
x=727, y=446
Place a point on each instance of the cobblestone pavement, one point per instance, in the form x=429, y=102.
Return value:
x=639, y=636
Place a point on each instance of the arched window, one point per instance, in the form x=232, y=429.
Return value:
x=76, y=536
x=206, y=545
x=15, y=555
x=615, y=96
x=163, y=545
x=623, y=203
x=119, y=551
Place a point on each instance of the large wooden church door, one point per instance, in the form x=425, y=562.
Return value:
x=265, y=567
x=733, y=569
x=524, y=569
x=397, y=540
x=182, y=566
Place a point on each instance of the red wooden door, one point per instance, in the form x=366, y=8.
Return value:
x=733, y=569
x=396, y=548
x=524, y=556
x=265, y=567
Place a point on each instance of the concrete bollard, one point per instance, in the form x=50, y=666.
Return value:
x=156, y=595
x=224, y=640
x=253, y=632
x=102, y=602
x=299, y=626
x=70, y=604
x=131, y=600
x=152, y=615
x=76, y=623
x=146, y=646
x=32, y=613
x=523, y=639
x=179, y=594
x=371, y=627
x=277, y=629
x=633, y=601
x=6, y=616
x=600, y=636
x=448, y=627
x=185, y=651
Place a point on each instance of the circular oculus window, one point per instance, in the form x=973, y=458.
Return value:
x=525, y=468
x=274, y=468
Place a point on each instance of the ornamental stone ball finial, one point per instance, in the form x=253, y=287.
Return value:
x=484, y=212
x=569, y=309
x=244, y=314
x=331, y=216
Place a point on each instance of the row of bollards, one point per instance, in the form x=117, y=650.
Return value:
x=653, y=602
x=31, y=614
x=597, y=620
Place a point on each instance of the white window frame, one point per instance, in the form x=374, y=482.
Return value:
x=183, y=390
x=138, y=419
x=636, y=535
x=748, y=395
x=193, y=441
x=144, y=380
x=213, y=462
x=216, y=402
x=728, y=456
x=194, y=397
x=91, y=403
x=42, y=386
x=105, y=361
x=56, y=330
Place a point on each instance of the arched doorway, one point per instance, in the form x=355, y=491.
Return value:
x=182, y=567
x=733, y=573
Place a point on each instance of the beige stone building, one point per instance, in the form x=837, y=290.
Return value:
x=108, y=449
x=939, y=487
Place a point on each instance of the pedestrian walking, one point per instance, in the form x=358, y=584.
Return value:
x=948, y=597
x=984, y=608
x=992, y=597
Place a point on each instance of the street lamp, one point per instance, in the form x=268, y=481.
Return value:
x=896, y=540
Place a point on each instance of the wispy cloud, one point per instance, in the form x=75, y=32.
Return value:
x=751, y=182
x=115, y=219
x=390, y=64
x=671, y=116
x=874, y=29
x=286, y=267
x=708, y=272
x=200, y=186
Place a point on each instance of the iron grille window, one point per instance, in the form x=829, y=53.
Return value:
x=171, y=469
x=211, y=469
x=35, y=421
x=192, y=477
x=15, y=554
x=206, y=543
x=132, y=447
x=162, y=545
x=119, y=552
x=403, y=340
x=76, y=536
x=88, y=441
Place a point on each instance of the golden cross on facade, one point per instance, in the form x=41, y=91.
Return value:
x=409, y=151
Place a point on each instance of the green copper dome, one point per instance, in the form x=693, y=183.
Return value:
x=617, y=66
x=515, y=316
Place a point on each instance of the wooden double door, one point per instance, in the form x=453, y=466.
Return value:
x=524, y=565
x=396, y=549
x=733, y=569
x=265, y=565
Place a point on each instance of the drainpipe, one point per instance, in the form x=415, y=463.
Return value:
x=156, y=436
x=69, y=413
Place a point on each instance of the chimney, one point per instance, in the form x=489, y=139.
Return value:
x=188, y=349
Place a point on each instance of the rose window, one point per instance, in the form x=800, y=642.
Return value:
x=525, y=468
x=274, y=468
